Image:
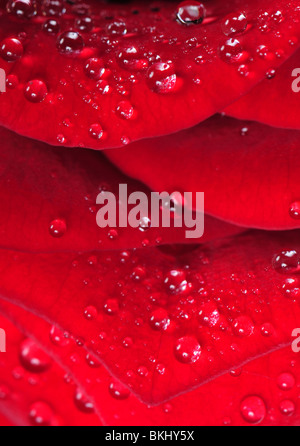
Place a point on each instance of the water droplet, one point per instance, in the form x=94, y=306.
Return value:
x=125, y=110
x=267, y=330
x=83, y=403
x=286, y=381
x=209, y=314
x=175, y=281
x=94, y=69
x=287, y=407
x=187, y=350
x=92, y=361
x=243, y=326
x=130, y=58
x=159, y=319
x=291, y=288
x=111, y=307
x=90, y=313
x=24, y=9
x=58, y=337
x=117, y=28
x=191, y=12
x=161, y=78
x=287, y=262
x=295, y=210
x=231, y=51
x=51, y=26
x=70, y=42
x=253, y=409
x=35, y=91
x=41, y=414
x=11, y=49
x=234, y=23
x=118, y=391
x=53, y=8
x=33, y=358
x=96, y=131
x=58, y=228
x=84, y=24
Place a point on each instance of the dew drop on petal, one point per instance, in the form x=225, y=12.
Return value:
x=51, y=26
x=287, y=407
x=234, y=23
x=253, y=409
x=70, y=42
x=118, y=391
x=294, y=210
x=159, y=319
x=35, y=91
x=11, y=49
x=33, y=358
x=231, y=51
x=24, y=9
x=287, y=262
x=243, y=326
x=190, y=12
x=286, y=381
x=125, y=110
x=96, y=131
x=187, y=350
x=58, y=228
x=161, y=78
x=41, y=414
x=291, y=288
x=83, y=403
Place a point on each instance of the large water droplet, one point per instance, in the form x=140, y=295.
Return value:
x=243, y=326
x=287, y=262
x=161, y=78
x=24, y=9
x=41, y=414
x=83, y=403
x=35, y=91
x=286, y=381
x=253, y=409
x=159, y=319
x=187, y=350
x=231, y=51
x=234, y=23
x=11, y=49
x=33, y=358
x=190, y=12
x=70, y=42
x=118, y=391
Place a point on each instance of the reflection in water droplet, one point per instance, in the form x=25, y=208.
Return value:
x=190, y=12
x=35, y=91
x=11, y=49
x=58, y=228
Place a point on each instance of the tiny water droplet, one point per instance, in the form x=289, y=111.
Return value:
x=243, y=326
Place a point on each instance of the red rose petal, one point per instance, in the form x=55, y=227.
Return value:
x=255, y=391
x=274, y=101
x=249, y=172
x=101, y=75
x=48, y=201
x=226, y=304
x=27, y=396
